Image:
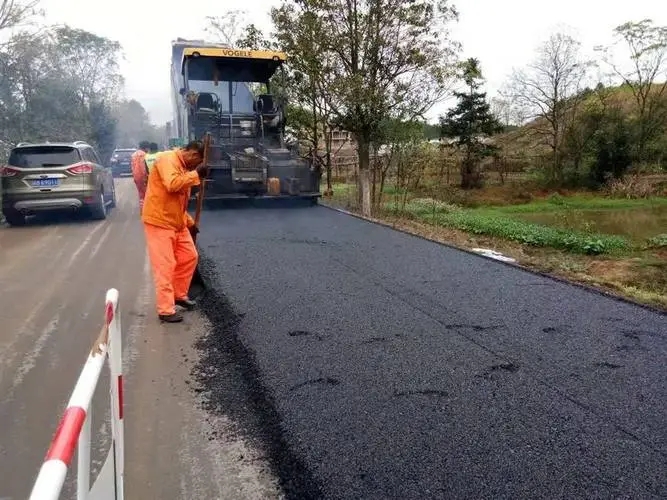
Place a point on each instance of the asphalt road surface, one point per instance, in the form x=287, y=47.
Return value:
x=380, y=365
x=53, y=278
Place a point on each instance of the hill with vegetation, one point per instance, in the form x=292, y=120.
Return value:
x=601, y=133
x=528, y=138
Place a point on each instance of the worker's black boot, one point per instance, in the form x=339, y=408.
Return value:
x=171, y=318
x=186, y=303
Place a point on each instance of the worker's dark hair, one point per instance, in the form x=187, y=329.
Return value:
x=154, y=148
x=195, y=146
x=144, y=145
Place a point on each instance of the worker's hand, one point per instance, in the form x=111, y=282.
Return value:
x=194, y=230
x=202, y=170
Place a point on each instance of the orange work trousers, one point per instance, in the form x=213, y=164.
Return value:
x=173, y=257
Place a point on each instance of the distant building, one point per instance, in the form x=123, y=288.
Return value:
x=342, y=140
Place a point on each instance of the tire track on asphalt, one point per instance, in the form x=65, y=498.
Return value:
x=9, y=350
x=459, y=330
x=30, y=359
x=19, y=244
x=85, y=242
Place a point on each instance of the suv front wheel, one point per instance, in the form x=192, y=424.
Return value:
x=14, y=218
x=99, y=209
x=113, y=196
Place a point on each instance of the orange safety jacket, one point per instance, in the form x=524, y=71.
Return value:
x=138, y=164
x=168, y=192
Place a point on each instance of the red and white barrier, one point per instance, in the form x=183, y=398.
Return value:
x=74, y=430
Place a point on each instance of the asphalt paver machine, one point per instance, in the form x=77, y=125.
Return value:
x=227, y=93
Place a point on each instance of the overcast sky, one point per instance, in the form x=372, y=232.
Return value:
x=502, y=33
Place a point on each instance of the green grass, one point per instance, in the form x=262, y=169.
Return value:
x=498, y=221
x=557, y=203
x=339, y=187
x=493, y=223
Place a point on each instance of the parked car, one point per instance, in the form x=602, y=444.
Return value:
x=55, y=176
x=120, y=162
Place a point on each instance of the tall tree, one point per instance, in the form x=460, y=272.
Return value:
x=646, y=46
x=15, y=12
x=549, y=90
x=502, y=110
x=58, y=85
x=253, y=38
x=233, y=29
x=134, y=124
x=389, y=59
x=103, y=128
x=92, y=60
x=228, y=27
x=471, y=122
x=297, y=31
x=401, y=138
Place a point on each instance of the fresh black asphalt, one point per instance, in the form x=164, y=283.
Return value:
x=377, y=365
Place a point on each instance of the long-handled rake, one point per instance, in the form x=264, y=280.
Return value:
x=197, y=279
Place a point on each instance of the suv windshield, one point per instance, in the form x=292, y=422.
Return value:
x=43, y=156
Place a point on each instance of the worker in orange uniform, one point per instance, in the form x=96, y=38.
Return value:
x=139, y=170
x=151, y=156
x=169, y=227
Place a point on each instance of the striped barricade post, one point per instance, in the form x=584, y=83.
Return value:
x=74, y=430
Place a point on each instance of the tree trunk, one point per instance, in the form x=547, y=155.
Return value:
x=365, y=182
x=404, y=193
x=501, y=169
x=469, y=174
x=364, y=177
x=373, y=182
x=383, y=179
x=327, y=146
x=448, y=172
x=329, y=188
x=466, y=181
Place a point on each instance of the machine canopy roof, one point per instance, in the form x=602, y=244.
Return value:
x=230, y=65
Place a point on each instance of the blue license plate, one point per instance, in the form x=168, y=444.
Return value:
x=44, y=182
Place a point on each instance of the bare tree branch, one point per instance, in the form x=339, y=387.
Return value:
x=646, y=46
x=550, y=91
x=227, y=28
x=15, y=12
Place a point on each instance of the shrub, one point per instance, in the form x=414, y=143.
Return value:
x=659, y=241
x=556, y=199
x=631, y=187
x=430, y=205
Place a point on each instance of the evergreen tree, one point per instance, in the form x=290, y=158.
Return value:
x=470, y=122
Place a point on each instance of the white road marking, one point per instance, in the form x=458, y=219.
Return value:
x=8, y=352
x=84, y=243
x=100, y=242
x=30, y=360
x=137, y=325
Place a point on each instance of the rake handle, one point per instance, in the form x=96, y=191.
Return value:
x=202, y=185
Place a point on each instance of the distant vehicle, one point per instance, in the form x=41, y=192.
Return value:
x=120, y=162
x=55, y=176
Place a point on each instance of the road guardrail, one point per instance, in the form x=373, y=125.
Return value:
x=74, y=430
